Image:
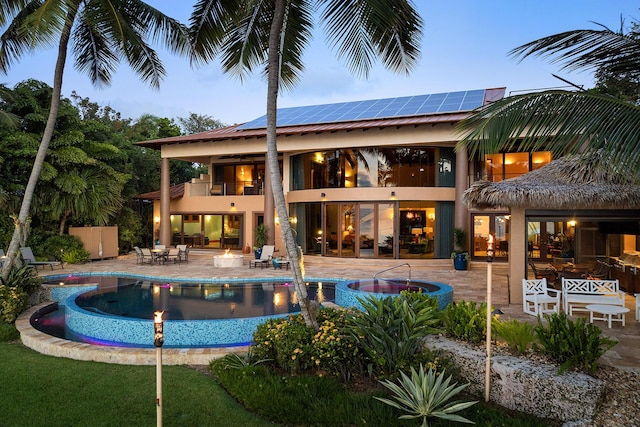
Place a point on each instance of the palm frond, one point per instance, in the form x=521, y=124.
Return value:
x=587, y=49
x=93, y=52
x=558, y=121
x=362, y=30
x=9, y=8
x=14, y=42
x=209, y=24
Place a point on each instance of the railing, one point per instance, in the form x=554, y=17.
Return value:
x=393, y=268
x=231, y=188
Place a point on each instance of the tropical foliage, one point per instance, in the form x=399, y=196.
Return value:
x=568, y=122
x=426, y=394
x=101, y=34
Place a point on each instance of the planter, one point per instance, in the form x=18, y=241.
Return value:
x=276, y=264
x=460, y=261
x=257, y=253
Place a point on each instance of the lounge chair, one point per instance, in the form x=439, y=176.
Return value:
x=30, y=259
x=265, y=257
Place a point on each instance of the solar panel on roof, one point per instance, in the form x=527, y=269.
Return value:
x=405, y=106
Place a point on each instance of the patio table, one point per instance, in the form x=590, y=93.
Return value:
x=608, y=312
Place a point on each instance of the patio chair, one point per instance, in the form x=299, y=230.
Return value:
x=265, y=257
x=183, y=253
x=601, y=271
x=173, y=254
x=142, y=257
x=546, y=271
x=538, y=298
x=30, y=259
x=147, y=256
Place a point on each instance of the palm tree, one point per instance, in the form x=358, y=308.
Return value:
x=273, y=35
x=102, y=33
x=567, y=122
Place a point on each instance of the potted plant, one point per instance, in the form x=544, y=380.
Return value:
x=261, y=239
x=460, y=256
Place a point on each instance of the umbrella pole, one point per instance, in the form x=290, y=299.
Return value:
x=487, y=380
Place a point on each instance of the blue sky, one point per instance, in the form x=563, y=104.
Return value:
x=464, y=47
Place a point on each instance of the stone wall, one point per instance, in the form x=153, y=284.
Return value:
x=525, y=385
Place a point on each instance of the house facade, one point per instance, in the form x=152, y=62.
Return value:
x=364, y=179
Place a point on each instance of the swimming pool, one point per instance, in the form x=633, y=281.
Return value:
x=118, y=310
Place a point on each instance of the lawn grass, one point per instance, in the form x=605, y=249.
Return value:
x=39, y=390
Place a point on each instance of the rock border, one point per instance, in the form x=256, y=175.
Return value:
x=525, y=385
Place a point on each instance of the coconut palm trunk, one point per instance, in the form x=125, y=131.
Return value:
x=291, y=246
x=20, y=233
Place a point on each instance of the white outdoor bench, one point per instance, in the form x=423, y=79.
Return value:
x=577, y=293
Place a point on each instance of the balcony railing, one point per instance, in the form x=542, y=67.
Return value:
x=230, y=188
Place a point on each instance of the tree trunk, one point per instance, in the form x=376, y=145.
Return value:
x=273, y=80
x=21, y=232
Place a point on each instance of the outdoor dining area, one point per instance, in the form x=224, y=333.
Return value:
x=161, y=255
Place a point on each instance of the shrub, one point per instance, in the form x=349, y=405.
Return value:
x=15, y=291
x=334, y=349
x=8, y=332
x=391, y=329
x=426, y=395
x=286, y=341
x=518, y=335
x=57, y=246
x=573, y=344
x=75, y=256
x=466, y=321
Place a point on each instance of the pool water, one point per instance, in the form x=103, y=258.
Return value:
x=119, y=311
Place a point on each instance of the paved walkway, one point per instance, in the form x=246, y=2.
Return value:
x=468, y=285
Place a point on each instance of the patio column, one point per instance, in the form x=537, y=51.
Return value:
x=517, y=254
x=461, y=213
x=165, y=200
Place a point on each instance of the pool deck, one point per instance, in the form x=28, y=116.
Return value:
x=468, y=285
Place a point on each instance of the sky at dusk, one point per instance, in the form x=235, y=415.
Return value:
x=465, y=46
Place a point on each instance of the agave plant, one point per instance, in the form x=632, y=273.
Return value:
x=426, y=395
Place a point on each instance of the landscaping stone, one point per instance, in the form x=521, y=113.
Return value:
x=525, y=385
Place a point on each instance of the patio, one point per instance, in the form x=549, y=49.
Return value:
x=468, y=285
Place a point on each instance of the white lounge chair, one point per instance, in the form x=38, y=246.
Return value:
x=538, y=298
x=265, y=257
x=30, y=259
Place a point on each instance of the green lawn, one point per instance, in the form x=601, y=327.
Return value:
x=39, y=390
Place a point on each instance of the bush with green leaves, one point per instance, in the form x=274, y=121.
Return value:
x=292, y=346
x=466, y=321
x=15, y=291
x=426, y=394
x=75, y=256
x=391, y=329
x=59, y=245
x=334, y=348
x=572, y=344
x=287, y=341
x=518, y=335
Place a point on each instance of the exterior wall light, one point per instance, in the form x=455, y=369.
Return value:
x=232, y=204
x=322, y=195
x=393, y=194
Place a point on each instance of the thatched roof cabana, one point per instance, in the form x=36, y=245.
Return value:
x=571, y=182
